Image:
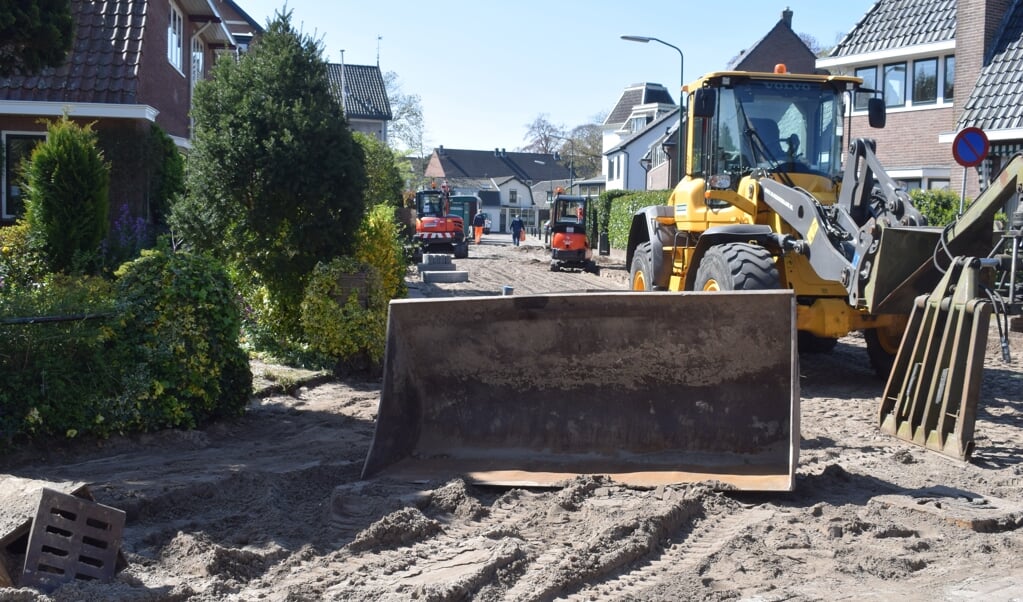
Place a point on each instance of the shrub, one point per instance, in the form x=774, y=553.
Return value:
x=940, y=207
x=178, y=349
x=623, y=206
x=381, y=245
x=20, y=264
x=56, y=374
x=275, y=180
x=66, y=187
x=345, y=313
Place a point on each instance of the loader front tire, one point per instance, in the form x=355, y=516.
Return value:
x=882, y=345
x=641, y=272
x=737, y=266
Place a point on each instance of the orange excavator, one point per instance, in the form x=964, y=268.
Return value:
x=570, y=247
x=437, y=230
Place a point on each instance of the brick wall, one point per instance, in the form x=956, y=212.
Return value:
x=160, y=84
x=977, y=23
x=900, y=144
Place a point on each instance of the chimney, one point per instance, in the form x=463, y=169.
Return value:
x=977, y=25
x=497, y=152
x=786, y=15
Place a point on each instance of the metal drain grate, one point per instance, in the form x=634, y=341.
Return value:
x=71, y=538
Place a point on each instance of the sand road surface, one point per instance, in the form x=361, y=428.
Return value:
x=271, y=506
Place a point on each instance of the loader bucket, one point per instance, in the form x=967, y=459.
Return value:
x=649, y=388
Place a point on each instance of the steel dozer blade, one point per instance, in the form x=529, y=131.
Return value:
x=648, y=388
x=931, y=395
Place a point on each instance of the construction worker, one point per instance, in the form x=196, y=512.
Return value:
x=478, y=223
x=517, y=227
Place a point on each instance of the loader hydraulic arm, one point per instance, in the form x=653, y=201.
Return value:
x=868, y=191
x=974, y=226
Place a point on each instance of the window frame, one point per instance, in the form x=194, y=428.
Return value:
x=860, y=102
x=5, y=185
x=948, y=87
x=914, y=100
x=176, y=38
x=889, y=99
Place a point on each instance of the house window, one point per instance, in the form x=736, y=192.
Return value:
x=175, y=38
x=895, y=84
x=17, y=147
x=513, y=196
x=198, y=60
x=869, y=77
x=925, y=81
x=950, y=78
x=937, y=184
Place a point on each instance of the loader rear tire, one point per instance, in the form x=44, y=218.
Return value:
x=641, y=272
x=737, y=266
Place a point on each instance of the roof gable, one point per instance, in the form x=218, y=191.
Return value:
x=365, y=95
x=667, y=121
x=780, y=45
x=899, y=24
x=637, y=94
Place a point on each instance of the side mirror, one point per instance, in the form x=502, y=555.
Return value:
x=876, y=112
x=704, y=101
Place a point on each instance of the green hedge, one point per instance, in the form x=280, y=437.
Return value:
x=163, y=353
x=56, y=375
x=616, y=208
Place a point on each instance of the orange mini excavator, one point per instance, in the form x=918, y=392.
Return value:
x=570, y=247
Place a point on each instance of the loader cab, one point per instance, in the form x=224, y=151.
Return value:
x=775, y=125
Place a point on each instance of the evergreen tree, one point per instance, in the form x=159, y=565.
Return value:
x=275, y=180
x=36, y=34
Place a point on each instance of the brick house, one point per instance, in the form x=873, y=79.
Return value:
x=942, y=65
x=132, y=65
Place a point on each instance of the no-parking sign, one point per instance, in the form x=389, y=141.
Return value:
x=970, y=147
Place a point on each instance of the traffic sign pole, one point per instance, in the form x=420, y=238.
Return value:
x=969, y=149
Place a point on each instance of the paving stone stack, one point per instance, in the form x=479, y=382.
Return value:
x=437, y=267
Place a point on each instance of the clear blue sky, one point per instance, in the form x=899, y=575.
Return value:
x=485, y=69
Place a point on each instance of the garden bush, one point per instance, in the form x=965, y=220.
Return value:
x=57, y=375
x=178, y=343
x=66, y=184
x=940, y=207
x=345, y=314
x=20, y=263
x=381, y=245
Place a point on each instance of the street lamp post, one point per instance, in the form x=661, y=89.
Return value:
x=550, y=182
x=681, y=107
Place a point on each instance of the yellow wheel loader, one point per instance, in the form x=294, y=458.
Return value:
x=768, y=239
x=767, y=204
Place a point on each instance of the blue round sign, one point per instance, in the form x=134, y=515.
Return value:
x=970, y=147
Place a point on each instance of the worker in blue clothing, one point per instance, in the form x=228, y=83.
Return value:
x=517, y=227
